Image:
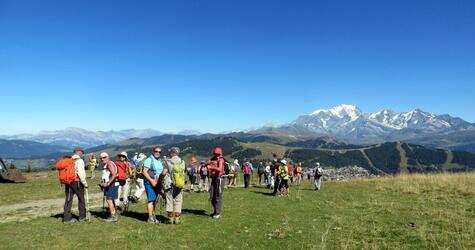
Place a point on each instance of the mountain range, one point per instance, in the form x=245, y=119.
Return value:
x=349, y=123
x=385, y=158
x=345, y=123
x=74, y=137
x=27, y=149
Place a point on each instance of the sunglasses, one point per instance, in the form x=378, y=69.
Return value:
x=158, y=152
x=104, y=157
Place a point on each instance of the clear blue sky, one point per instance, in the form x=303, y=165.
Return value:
x=218, y=65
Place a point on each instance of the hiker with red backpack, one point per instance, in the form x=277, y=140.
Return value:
x=153, y=171
x=73, y=175
x=125, y=171
x=216, y=168
x=110, y=186
x=247, y=170
x=173, y=184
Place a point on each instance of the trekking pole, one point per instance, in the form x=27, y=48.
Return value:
x=103, y=199
x=298, y=193
x=163, y=206
x=88, y=214
x=159, y=205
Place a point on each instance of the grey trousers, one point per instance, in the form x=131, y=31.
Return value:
x=216, y=194
x=174, y=200
x=318, y=182
x=75, y=188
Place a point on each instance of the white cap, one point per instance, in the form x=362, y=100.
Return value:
x=104, y=154
x=318, y=164
x=283, y=162
x=141, y=156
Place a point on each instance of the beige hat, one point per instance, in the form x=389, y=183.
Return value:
x=104, y=154
x=284, y=162
x=123, y=154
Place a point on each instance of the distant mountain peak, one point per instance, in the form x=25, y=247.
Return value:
x=349, y=122
x=340, y=111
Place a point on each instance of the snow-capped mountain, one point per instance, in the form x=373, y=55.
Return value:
x=73, y=137
x=349, y=122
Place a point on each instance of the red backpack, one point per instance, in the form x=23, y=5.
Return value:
x=247, y=169
x=121, y=169
x=67, y=171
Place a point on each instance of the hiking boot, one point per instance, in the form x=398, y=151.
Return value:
x=216, y=216
x=69, y=221
x=112, y=218
x=177, y=221
x=170, y=220
x=152, y=220
x=83, y=220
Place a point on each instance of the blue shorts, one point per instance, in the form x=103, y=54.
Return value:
x=152, y=193
x=112, y=192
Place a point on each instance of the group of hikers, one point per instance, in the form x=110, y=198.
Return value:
x=163, y=180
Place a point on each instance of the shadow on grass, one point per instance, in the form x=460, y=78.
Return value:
x=100, y=214
x=263, y=193
x=61, y=215
x=195, y=212
x=129, y=214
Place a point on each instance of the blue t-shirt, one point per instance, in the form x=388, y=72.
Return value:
x=154, y=165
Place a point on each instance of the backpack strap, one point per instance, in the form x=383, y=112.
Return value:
x=116, y=171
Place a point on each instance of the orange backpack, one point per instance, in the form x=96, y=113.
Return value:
x=67, y=172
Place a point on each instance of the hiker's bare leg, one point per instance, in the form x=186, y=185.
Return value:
x=111, y=205
x=150, y=209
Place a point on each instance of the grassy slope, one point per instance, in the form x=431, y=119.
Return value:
x=40, y=185
x=418, y=211
x=403, y=163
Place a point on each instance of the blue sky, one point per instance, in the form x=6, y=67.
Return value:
x=219, y=65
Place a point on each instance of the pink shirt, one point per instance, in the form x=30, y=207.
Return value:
x=214, y=164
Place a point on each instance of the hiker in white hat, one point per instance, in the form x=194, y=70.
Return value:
x=139, y=178
x=318, y=177
x=284, y=178
x=110, y=185
x=125, y=171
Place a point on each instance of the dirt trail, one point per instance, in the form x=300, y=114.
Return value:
x=41, y=208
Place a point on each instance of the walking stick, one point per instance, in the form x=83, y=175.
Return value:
x=210, y=199
x=160, y=206
x=103, y=200
x=88, y=214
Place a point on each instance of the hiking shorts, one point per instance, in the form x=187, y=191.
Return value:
x=112, y=192
x=174, y=198
x=152, y=193
x=192, y=179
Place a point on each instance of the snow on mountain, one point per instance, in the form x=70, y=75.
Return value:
x=349, y=122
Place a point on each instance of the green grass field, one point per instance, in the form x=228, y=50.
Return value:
x=406, y=212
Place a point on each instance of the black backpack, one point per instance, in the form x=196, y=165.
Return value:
x=227, y=167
